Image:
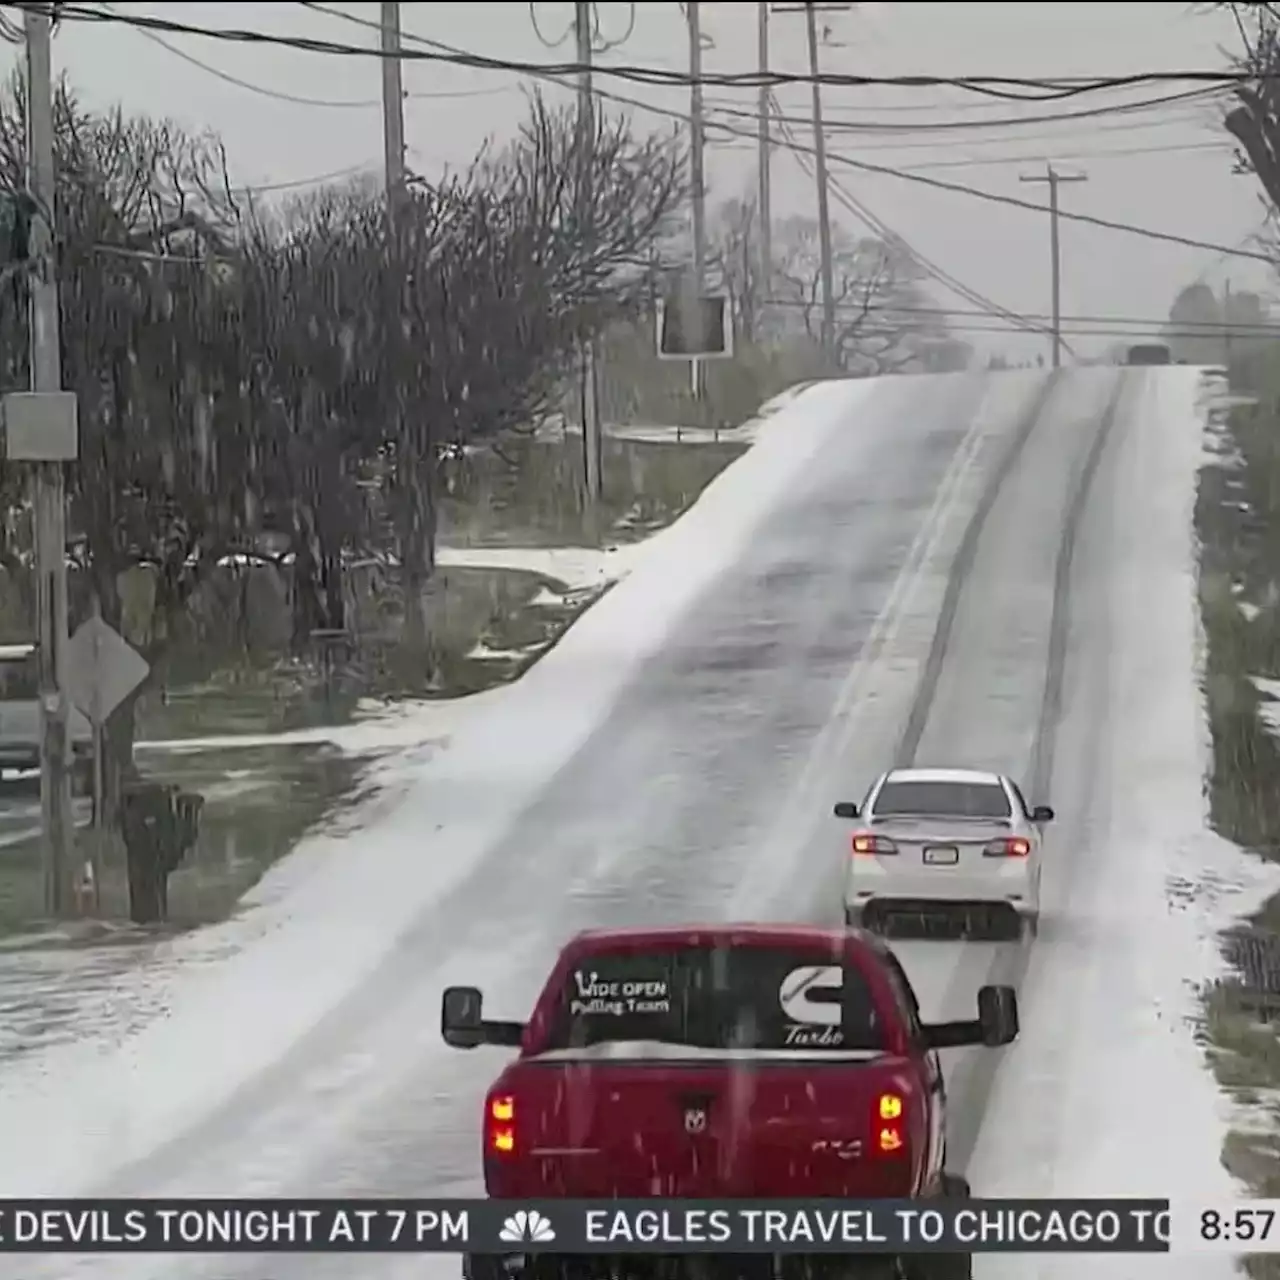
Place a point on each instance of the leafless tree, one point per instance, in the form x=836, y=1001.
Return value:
x=735, y=257
x=1254, y=121
x=503, y=280
x=240, y=373
x=141, y=209
x=883, y=314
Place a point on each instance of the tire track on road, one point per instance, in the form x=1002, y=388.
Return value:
x=962, y=566
x=1010, y=964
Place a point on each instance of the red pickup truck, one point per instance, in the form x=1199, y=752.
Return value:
x=726, y=1061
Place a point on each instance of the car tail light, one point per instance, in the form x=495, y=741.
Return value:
x=890, y=1125
x=500, y=1125
x=866, y=842
x=1009, y=847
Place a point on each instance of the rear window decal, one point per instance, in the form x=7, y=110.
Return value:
x=812, y=998
x=596, y=997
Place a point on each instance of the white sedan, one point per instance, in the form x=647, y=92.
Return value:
x=945, y=843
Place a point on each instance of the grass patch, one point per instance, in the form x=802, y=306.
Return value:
x=1238, y=522
x=259, y=801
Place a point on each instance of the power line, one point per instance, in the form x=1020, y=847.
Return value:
x=460, y=57
x=1006, y=122
x=608, y=46
x=978, y=193
x=894, y=108
x=876, y=224
x=1013, y=202
x=1007, y=136
x=294, y=184
x=598, y=42
x=280, y=96
x=537, y=30
x=797, y=148
x=978, y=162
x=1175, y=117
x=1053, y=88
x=1179, y=328
x=1104, y=153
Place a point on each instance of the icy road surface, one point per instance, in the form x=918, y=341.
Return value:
x=981, y=569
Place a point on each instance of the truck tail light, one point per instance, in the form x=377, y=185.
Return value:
x=1008, y=847
x=869, y=844
x=890, y=1125
x=500, y=1125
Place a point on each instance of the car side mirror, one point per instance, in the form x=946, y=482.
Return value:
x=998, y=1015
x=462, y=1017
x=1042, y=813
x=846, y=809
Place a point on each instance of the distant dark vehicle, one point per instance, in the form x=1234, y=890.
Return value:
x=1149, y=353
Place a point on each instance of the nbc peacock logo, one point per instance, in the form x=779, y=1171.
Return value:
x=527, y=1227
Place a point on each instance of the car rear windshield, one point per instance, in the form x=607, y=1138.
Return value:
x=943, y=799
x=718, y=998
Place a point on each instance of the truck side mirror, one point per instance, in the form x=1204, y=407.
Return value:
x=461, y=1017
x=998, y=1015
x=846, y=809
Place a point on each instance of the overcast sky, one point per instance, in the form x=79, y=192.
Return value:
x=1168, y=168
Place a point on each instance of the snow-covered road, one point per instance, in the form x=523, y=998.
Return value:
x=896, y=573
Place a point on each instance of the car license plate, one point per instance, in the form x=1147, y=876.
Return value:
x=941, y=855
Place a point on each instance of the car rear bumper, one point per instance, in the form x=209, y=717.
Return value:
x=1017, y=891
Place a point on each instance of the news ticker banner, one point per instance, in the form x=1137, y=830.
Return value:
x=637, y=1226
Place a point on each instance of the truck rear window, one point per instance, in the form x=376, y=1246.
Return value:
x=718, y=998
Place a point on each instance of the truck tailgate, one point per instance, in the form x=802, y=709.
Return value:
x=792, y=1123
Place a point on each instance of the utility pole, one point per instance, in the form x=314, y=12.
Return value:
x=53, y=412
x=592, y=465
x=824, y=207
x=392, y=111
x=1226, y=323
x=1054, y=179
x=406, y=435
x=826, y=267
x=697, y=179
x=764, y=212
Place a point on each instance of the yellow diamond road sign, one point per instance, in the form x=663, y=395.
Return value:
x=103, y=669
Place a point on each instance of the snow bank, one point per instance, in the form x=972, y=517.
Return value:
x=1107, y=1092
x=578, y=568
x=413, y=723
x=323, y=919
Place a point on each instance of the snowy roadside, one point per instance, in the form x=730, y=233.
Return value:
x=1108, y=1091
x=322, y=922
x=100, y=997
x=580, y=573
x=54, y=987
x=1239, y=603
